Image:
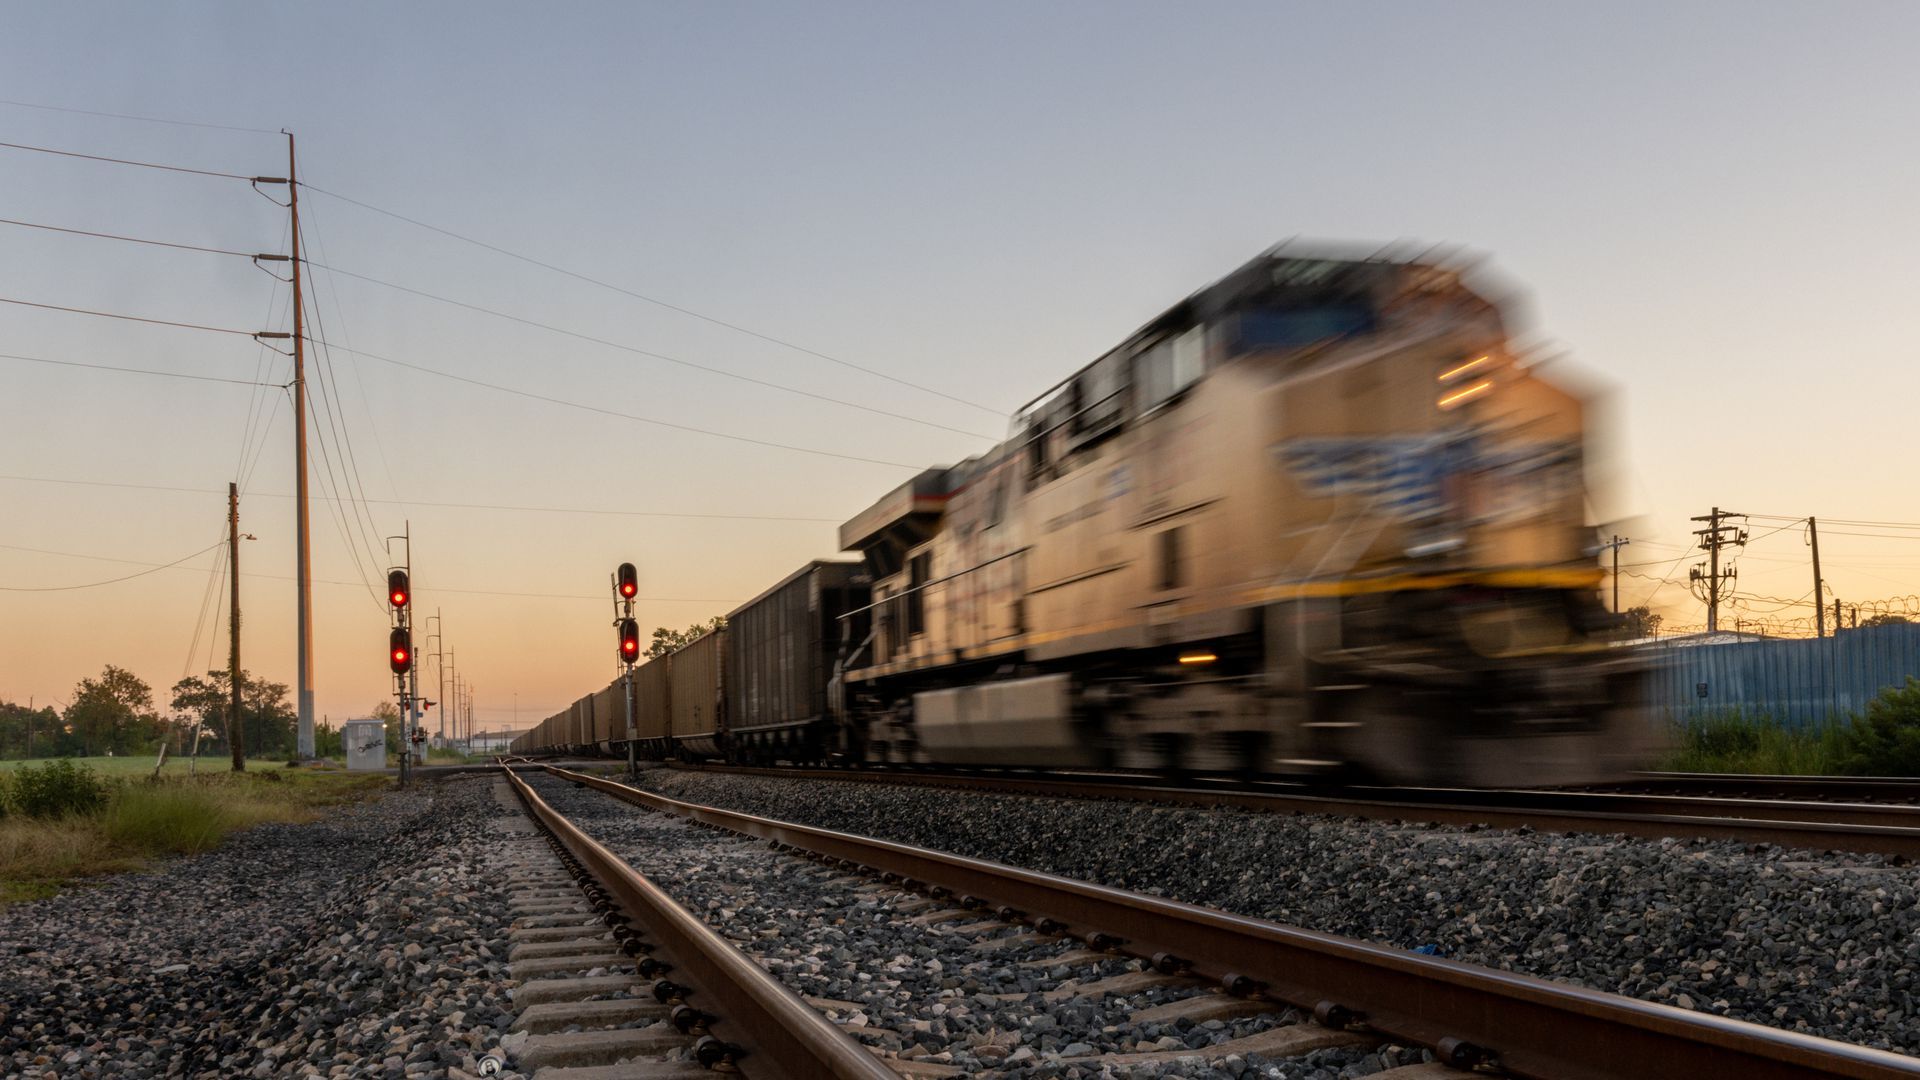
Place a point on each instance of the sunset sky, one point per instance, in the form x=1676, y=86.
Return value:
x=1710, y=207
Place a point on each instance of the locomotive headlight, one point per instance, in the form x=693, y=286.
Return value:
x=1194, y=658
x=1467, y=368
x=1462, y=396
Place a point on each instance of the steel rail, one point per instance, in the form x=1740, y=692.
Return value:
x=782, y=1036
x=1854, y=827
x=1782, y=786
x=1524, y=1026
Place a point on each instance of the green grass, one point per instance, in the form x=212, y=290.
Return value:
x=174, y=815
x=135, y=765
x=1737, y=742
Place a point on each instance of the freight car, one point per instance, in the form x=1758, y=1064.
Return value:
x=1317, y=518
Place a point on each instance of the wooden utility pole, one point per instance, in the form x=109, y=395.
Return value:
x=235, y=730
x=303, y=559
x=1714, y=583
x=1615, y=545
x=1819, y=606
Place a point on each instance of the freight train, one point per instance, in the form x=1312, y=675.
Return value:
x=1316, y=519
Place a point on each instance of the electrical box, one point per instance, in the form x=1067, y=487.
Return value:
x=366, y=744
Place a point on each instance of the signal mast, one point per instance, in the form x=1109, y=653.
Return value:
x=626, y=585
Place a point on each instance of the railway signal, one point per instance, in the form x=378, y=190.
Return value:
x=397, y=591
x=629, y=586
x=629, y=640
x=400, y=650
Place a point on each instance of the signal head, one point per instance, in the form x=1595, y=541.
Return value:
x=629, y=640
x=397, y=591
x=629, y=579
x=400, y=650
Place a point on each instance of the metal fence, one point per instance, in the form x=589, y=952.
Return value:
x=1795, y=682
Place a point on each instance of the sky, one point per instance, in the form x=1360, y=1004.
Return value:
x=878, y=209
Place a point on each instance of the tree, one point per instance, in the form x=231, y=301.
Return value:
x=1885, y=618
x=114, y=713
x=266, y=718
x=666, y=640
x=28, y=732
x=1642, y=622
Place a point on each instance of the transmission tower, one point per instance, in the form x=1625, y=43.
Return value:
x=1709, y=582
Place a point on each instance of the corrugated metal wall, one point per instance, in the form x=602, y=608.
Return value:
x=1796, y=682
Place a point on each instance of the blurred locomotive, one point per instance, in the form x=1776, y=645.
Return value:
x=1315, y=519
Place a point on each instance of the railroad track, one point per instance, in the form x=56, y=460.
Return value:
x=1470, y=1017
x=1894, y=789
x=1867, y=828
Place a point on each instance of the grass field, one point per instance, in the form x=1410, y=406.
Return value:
x=132, y=819
x=137, y=765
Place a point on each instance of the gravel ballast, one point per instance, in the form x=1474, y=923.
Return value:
x=370, y=943
x=1822, y=943
x=959, y=995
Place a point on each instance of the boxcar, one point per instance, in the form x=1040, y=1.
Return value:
x=698, y=696
x=781, y=649
x=652, y=717
x=610, y=715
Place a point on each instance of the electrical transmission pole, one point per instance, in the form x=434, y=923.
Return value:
x=1710, y=583
x=303, y=559
x=235, y=730
x=1819, y=608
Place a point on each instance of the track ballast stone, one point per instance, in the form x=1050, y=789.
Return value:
x=371, y=943
x=1824, y=943
x=862, y=953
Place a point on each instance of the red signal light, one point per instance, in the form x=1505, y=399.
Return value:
x=400, y=650
x=629, y=578
x=629, y=640
x=397, y=591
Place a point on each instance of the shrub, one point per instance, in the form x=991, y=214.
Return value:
x=1885, y=740
x=56, y=789
x=1734, y=741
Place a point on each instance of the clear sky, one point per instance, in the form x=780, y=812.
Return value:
x=1710, y=205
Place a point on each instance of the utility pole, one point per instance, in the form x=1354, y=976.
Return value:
x=303, y=547
x=1615, y=545
x=1819, y=608
x=440, y=666
x=1713, y=584
x=236, y=735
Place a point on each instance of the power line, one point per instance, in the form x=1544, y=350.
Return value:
x=637, y=351
x=576, y=275
x=129, y=161
x=151, y=567
x=126, y=239
x=145, y=119
x=343, y=444
x=360, y=384
x=134, y=371
x=110, y=581
x=625, y=416
x=128, y=318
x=442, y=505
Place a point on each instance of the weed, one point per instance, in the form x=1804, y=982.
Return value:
x=56, y=789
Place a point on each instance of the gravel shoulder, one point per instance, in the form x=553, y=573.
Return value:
x=370, y=943
x=1822, y=943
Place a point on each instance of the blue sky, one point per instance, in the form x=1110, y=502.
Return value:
x=1709, y=207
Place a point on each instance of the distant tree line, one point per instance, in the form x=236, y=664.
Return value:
x=116, y=713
